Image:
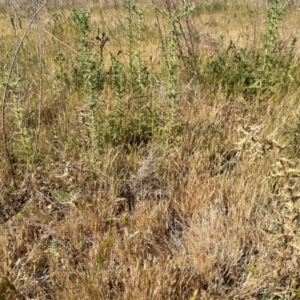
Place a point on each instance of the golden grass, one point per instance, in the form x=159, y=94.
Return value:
x=215, y=215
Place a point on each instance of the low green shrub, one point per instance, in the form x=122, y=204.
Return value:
x=250, y=72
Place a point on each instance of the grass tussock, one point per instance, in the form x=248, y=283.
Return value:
x=150, y=151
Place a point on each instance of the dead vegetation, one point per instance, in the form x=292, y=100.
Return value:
x=200, y=202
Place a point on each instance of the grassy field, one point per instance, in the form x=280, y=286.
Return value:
x=150, y=150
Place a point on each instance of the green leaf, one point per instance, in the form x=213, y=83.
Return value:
x=9, y=285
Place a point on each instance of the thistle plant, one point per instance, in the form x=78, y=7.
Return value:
x=21, y=138
x=131, y=119
x=274, y=14
x=116, y=119
x=171, y=52
x=138, y=73
x=89, y=77
x=258, y=73
x=268, y=53
x=129, y=6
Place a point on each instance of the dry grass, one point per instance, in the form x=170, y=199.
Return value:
x=213, y=216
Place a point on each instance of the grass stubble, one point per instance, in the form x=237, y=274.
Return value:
x=212, y=214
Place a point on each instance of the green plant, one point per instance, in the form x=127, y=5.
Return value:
x=21, y=149
x=261, y=72
x=132, y=118
x=271, y=56
x=8, y=288
x=17, y=109
x=89, y=76
x=172, y=53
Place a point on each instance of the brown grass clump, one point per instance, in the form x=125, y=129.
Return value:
x=171, y=184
